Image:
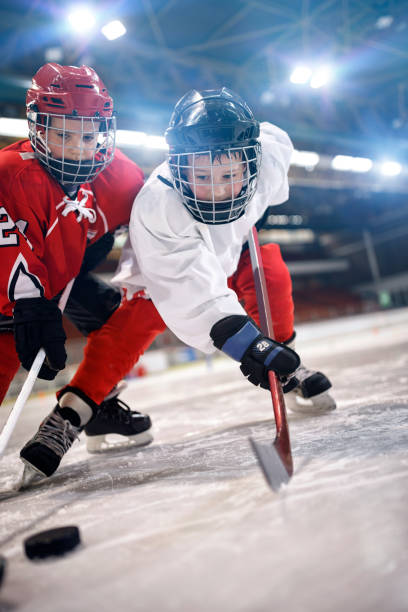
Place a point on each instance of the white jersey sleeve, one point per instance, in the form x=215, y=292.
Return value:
x=180, y=268
x=183, y=264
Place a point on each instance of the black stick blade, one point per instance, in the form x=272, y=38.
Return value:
x=271, y=464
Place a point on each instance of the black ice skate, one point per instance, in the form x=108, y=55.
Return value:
x=311, y=395
x=116, y=425
x=43, y=453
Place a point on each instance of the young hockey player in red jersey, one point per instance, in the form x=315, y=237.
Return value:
x=63, y=193
x=187, y=250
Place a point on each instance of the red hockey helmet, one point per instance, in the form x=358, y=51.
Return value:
x=69, y=90
x=74, y=101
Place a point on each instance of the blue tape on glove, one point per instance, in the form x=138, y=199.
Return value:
x=237, y=344
x=272, y=355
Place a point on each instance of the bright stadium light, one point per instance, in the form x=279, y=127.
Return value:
x=362, y=164
x=16, y=128
x=113, y=30
x=305, y=159
x=81, y=19
x=131, y=138
x=53, y=54
x=341, y=162
x=301, y=75
x=384, y=22
x=321, y=77
x=390, y=168
x=347, y=163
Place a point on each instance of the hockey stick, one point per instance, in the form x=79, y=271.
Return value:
x=274, y=459
x=29, y=381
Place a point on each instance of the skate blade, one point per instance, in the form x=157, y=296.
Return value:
x=29, y=476
x=109, y=442
x=319, y=404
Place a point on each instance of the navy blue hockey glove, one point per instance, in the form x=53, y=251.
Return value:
x=240, y=338
x=38, y=323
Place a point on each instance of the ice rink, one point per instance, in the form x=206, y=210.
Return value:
x=188, y=524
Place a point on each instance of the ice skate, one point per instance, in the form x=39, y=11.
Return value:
x=311, y=396
x=116, y=426
x=43, y=453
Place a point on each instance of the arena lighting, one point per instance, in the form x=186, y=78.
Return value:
x=81, y=19
x=113, y=30
x=53, y=54
x=320, y=77
x=130, y=138
x=305, y=159
x=347, y=163
x=301, y=75
x=384, y=22
x=16, y=128
x=316, y=77
x=390, y=168
x=285, y=219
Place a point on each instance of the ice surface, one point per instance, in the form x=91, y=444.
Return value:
x=189, y=524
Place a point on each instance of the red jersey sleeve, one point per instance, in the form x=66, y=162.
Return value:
x=23, y=273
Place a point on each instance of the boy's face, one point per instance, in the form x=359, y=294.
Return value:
x=73, y=139
x=217, y=180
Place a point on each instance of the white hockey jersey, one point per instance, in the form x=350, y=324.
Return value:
x=184, y=264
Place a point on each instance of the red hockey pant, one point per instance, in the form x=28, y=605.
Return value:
x=9, y=362
x=279, y=287
x=113, y=350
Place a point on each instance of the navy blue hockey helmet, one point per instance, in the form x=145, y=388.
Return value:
x=208, y=128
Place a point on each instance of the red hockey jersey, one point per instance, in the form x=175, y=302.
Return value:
x=43, y=233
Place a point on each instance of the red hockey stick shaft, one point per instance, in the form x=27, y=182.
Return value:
x=282, y=440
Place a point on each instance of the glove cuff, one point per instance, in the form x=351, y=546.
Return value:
x=233, y=335
x=27, y=310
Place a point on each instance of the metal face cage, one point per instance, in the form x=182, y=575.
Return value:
x=74, y=149
x=216, y=185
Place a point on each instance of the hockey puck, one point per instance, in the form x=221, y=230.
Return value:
x=3, y=564
x=52, y=542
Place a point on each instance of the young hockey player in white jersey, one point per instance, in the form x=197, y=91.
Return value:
x=187, y=252
x=188, y=230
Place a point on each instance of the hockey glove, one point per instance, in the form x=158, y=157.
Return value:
x=38, y=323
x=240, y=338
